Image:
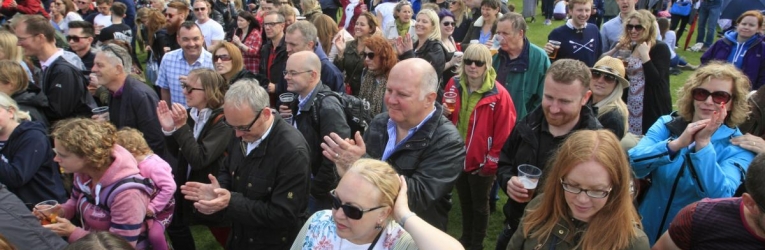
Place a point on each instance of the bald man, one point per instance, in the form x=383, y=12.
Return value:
x=303, y=77
x=414, y=137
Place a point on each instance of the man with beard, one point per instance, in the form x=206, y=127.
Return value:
x=176, y=13
x=538, y=135
x=177, y=64
x=577, y=39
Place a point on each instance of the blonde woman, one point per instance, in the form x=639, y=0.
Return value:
x=427, y=42
x=462, y=18
x=607, y=84
x=15, y=83
x=311, y=10
x=63, y=12
x=10, y=51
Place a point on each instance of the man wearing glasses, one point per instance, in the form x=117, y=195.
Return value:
x=273, y=55
x=262, y=188
x=212, y=30
x=177, y=64
x=80, y=37
x=85, y=9
x=175, y=14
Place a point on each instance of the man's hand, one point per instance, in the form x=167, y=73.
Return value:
x=516, y=191
x=208, y=198
x=343, y=152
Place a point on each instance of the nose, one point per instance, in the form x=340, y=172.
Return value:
x=238, y=133
x=582, y=197
x=339, y=213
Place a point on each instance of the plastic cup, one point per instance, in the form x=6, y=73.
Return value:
x=48, y=208
x=103, y=112
x=287, y=97
x=450, y=101
x=529, y=175
x=458, y=54
x=556, y=47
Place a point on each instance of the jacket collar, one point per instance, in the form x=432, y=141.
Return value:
x=320, y=88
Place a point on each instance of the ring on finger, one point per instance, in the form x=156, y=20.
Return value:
x=754, y=144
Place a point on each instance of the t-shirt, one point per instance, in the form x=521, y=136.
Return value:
x=386, y=11
x=101, y=19
x=669, y=39
x=212, y=30
x=118, y=31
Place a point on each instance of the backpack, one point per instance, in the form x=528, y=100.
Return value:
x=358, y=113
x=132, y=182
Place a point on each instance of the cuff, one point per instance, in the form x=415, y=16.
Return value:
x=169, y=133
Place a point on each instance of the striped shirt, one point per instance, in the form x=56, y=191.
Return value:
x=698, y=226
x=174, y=66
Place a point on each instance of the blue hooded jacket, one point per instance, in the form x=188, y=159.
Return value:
x=750, y=57
x=736, y=57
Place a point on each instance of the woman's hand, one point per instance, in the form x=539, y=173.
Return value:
x=179, y=115
x=165, y=116
x=750, y=142
x=63, y=227
x=642, y=50
x=404, y=44
x=401, y=207
x=688, y=135
x=339, y=42
x=703, y=137
x=236, y=40
x=343, y=152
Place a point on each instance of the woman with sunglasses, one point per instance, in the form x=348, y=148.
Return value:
x=742, y=47
x=350, y=55
x=229, y=62
x=247, y=37
x=607, y=86
x=197, y=138
x=368, y=201
x=688, y=154
x=587, y=202
x=379, y=59
x=63, y=12
x=646, y=60
x=484, y=115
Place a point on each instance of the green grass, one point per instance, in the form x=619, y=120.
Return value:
x=537, y=34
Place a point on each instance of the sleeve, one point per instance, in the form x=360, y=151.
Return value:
x=506, y=165
x=331, y=119
x=23, y=166
x=657, y=81
x=162, y=176
x=518, y=239
x=651, y=152
x=709, y=54
x=202, y=155
x=604, y=37
x=30, y=7
x=435, y=56
x=162, y=80
x=148, y=122
x=64, y=90
x=468, y=36
x=287, y=195
x=300, y=239
x=253, y=43
x=504, y=121
x=441, y=164
x=536, y=98
x=127, y=213
x=680, y=228
x=717, y=173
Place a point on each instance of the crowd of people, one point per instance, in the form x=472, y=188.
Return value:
x=280, y=130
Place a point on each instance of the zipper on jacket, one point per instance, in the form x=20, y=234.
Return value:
x=472, y=131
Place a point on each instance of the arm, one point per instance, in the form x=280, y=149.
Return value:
x=504, y=121
x=22, y=167
x=440, y=166
x=718, y=177
x=252, y=43
x=604, y=38
x=656, y=69
x=162, y=82
x=651, y=152
x=424, y=235
x=63, y=91
x=202, y=155
x=331, y=120
x=30, y=7
x=162, y=176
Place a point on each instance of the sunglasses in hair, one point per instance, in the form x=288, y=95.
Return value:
x=370, y=55
x=190, y=89
x=350, y=211
x=448, y=24
x=224, y=58
x=718, y=97
x=108, y=48
x=608, y=77
x=476, y=62
x=75, y=38
x=635, y=27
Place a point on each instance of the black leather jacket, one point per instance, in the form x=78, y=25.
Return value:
x=431, y=160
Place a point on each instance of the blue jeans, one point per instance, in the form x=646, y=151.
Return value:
x=677, y=60
x=709, y=13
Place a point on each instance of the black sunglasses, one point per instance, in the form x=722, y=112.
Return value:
x=718, y=97
x=609, y=78
x=370, y=55
x=190, y=89
x=199, y=9
x=448, y=23
x=476, y=62
x=224, y=58
x=636, y=27
x=168, y=15
x=75, y=38
x=350, y=211
x=245, y=128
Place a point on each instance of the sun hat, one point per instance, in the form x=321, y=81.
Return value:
x=612, y=66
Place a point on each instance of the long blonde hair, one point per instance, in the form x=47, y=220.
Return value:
x=614, y=102
x=6, y=102
x=462, y=12
x=613, y=226
x=8, y=46
x=647, y=20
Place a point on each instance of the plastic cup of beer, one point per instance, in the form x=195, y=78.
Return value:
x=529, y=176
x=102, y=112
x=287, y=97
x=49, y=210
x=556, y=47
x=450, y=101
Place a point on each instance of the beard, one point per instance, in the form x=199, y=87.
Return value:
x=173, y=27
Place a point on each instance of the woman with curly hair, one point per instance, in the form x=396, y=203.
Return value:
x=379, y=59
x=88, y=149
x=688, y=154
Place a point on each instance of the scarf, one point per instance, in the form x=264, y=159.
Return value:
x=373, y=90
x=402, y=28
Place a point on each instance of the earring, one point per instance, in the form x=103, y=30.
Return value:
x=378, y=226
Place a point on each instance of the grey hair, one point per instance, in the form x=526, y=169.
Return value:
x=519, y=23
x=279, y=16
x=118, y=55
x=247, y=92
x=306, y=29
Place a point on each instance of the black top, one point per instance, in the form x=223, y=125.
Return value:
x=118, y=31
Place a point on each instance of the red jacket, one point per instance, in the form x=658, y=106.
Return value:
x=489, y=126
x=24, y=6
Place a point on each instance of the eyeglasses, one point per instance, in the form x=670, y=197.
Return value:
x=452, y=2
x=350, y=211
x=370, y=55
x=718, y=97
x=608, y=77
x=635, y=27
x=199, y=9
x=245, y=128
x=75, y=38
x=190, y=89
x=447, y=24
x=476, y=62
x=224, y=58
x=271, y=24
x=598, y=194
x=294, y=73
x=168, y=15
x=110, y=49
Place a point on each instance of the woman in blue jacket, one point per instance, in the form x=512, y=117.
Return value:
x=688, y=154
x=743, y=47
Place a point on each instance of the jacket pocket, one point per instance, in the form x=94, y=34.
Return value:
x=258, y=188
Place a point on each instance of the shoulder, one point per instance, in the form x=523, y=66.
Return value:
x=639, y=241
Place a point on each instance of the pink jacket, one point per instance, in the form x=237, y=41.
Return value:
x=127, y=211
x=157, y=169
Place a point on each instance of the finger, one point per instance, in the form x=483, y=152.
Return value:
x=213, y=181
x=360, y=140
x=331, y=141
x=203, y=208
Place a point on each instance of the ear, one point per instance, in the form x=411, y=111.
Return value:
x=586, y=97
x=430, y=99
x=749, y=203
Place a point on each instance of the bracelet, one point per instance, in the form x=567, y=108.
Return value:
x=403, y=219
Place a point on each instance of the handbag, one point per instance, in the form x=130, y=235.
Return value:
x=152, y=70
x=681, y=8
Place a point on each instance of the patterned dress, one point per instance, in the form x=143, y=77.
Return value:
x=320, y=233
x=635, y=99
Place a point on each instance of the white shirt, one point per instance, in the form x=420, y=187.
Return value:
x=560, y=8
x=212, y=30
x=255, y=144
x=101, y=19
x=386, y=10
x=52, y=58
x=669, y=39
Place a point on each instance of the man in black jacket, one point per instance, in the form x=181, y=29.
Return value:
x=273, y=55
x=302, y=36
x=304, y=78
x=538, y=135
x=414, y=137
x=61, y=82
x=132, y=103
x=264, y=182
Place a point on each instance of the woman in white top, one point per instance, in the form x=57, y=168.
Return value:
x=676, y=62
x=384, y=11
x=559, y=11
x=402, y=23
x=63, y=12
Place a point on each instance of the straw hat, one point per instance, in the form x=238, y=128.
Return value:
x=612, y=66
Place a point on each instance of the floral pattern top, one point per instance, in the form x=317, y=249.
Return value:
x=320, y=233
x=635, y=99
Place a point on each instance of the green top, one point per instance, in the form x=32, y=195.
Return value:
x=402, y=28
x=470, y=100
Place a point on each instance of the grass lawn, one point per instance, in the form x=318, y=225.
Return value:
x=537, y=34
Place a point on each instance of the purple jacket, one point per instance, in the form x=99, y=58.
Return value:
x=754, y=60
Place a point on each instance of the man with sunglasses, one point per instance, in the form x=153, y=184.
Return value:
x=563, y=111
x=175, y=14
x=724, y=223
x=211, y=30
x=578, y=39
x=85, y=9
x=131, y=103
x=263, y=185
x=80, y=37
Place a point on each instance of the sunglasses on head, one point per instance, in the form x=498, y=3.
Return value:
x=608, y=77
x=448, y=24
x=224, y=58
x=370, y=55
x=350, y=211
x=718, y=97
x=635, y=27
x=476, y=62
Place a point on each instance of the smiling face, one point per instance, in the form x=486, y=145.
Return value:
x=589, y=175
x=356, y=191
x=105, y=69
x=191, y=41
x=705, y=109
x=489, y=13
x=601, y=87
x=424, y=26
x=447, y=30
x=747, y=27
x=636, y=34
x=30, y=43
x=197, y=98
x=626, y=6
x=580, y=14
x=201, y=11
x=562, y=102
x=362, y=27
